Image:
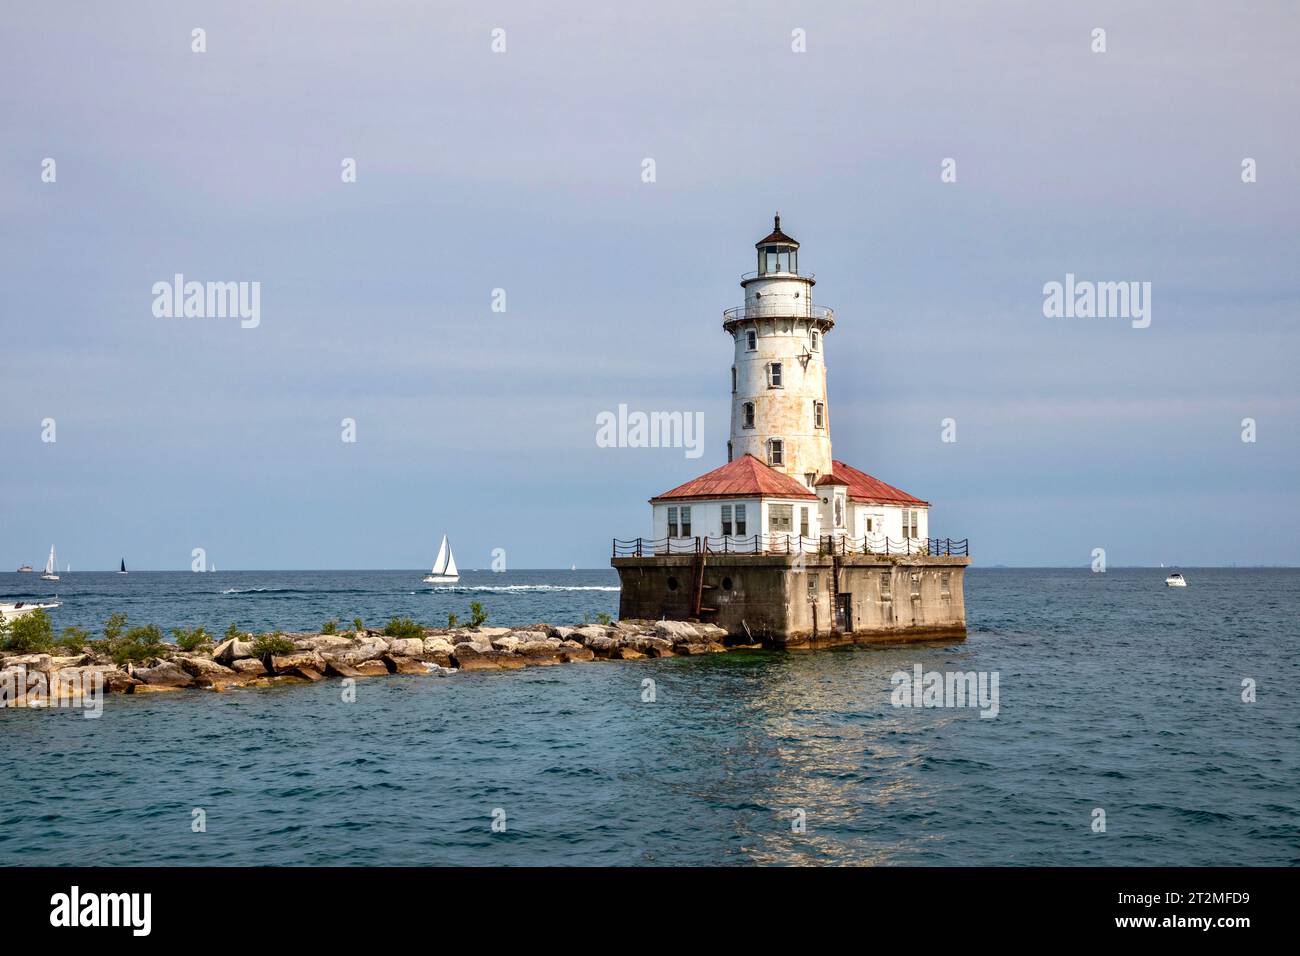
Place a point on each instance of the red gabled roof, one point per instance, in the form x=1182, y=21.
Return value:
x=862, y=487
x=746, y=477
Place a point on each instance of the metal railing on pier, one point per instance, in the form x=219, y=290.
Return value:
x=841, y=544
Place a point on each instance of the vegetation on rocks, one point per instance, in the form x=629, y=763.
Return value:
x=404, y=627
x=189, y=639
x=29, y=634
x=137, y=645
x=267, y=644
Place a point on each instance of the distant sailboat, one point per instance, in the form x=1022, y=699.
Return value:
x=573, y=567
x=214, y=566
x=50, y=567
x=122, y=569
x=25, y=569
x=444, y=569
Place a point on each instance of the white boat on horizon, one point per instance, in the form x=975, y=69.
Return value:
x=444, y=569
x=50, y=567
x=1176, y=580
x=10, y=611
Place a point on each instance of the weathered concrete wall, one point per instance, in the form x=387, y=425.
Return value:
x=785, y=602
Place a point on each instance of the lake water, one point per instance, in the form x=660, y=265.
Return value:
x=1115, y=693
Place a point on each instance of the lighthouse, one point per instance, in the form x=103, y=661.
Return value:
x=778, y=407
x=785, y=542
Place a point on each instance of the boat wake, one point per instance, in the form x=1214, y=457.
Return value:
x=508, y=588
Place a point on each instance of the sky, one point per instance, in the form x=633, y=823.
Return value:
x=523, y=171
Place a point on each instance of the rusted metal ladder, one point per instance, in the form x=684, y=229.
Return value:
x=697, y=603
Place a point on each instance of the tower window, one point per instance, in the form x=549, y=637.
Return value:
x=748, y=414
x=728, y=451
x=751, y=340
x=809, y=478
x=815, y=338
x=819, y=414
x=774, y=375
x=776, y=452
x=733, y=380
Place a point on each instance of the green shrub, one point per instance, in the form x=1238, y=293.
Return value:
x=113, y=626
x=451, y=620
x=358, y=625
x=403, y=627
x=137, y=645
x=267, y=644
x=188, y=640
x=30, y=634
x=74, y=639
x=603, y=618
x=234, y=633
x=476, y=614
x=330, y=627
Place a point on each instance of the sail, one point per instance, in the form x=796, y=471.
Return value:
x=49, y=562
x=450, y=570
x=440, y=566
x=123, y=567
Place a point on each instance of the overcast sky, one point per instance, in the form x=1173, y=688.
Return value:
x=522, y=171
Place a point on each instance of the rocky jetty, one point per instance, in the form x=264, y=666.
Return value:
x=314, y=657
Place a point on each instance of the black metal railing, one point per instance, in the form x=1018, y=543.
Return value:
x=778, y=307
x=791, y=544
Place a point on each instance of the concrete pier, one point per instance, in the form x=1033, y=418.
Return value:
x=802, y=600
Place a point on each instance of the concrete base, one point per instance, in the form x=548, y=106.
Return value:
x=787, y=600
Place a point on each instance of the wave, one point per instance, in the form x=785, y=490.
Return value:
x=505, y=588
x=298, y=591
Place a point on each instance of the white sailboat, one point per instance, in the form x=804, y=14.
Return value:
x=444, y=569
x=50, y=567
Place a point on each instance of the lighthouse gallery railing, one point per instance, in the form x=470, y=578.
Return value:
x=792, y=544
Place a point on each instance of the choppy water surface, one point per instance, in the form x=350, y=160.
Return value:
x=1115, y=692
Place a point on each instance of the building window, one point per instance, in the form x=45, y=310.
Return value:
x=774, y=375
x=812, y=587
x=726, y=519
x=814, y=337
x=748, y=408
x=776, y=452
x=779, y=519
x=751, y=340
x=916, y=586
x=686, y=522
x=885, y=593
x=945, y=584
x=740, y=519
x=819, y=414
x=911, y=527
x=839, y=511
x=870, y=525
x=672, y=523
x=803, y=521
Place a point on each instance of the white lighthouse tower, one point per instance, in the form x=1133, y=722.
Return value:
x=784, y=544
x=778, y=379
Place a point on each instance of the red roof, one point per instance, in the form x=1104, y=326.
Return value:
x=746, y=477
x=862, y=487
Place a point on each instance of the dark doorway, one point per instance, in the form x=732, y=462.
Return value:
x=844, y=613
